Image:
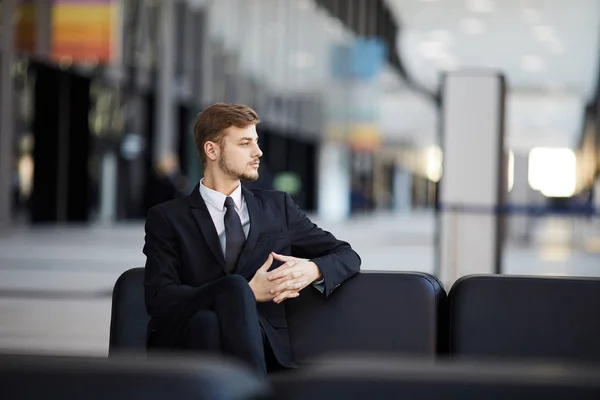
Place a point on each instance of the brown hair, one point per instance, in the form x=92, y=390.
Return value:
x=211, y=123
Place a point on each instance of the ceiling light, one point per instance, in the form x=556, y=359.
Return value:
x=442, y=36
x=531, y=63
x=433, y=163
x=543, y=33
x=480, y=6
x=552, y=171
x=472, y=26
x=432, y=50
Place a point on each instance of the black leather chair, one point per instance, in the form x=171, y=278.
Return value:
x=51, y=377
x=383, y=379
x=129, y=319
x=525, y=317
x=371, y=312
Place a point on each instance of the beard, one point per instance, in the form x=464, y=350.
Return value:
x=229, y=169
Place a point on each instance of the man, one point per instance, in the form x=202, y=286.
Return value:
x=221, y=261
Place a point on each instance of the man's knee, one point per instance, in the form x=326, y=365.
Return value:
x=204, y=331
x=204, y=320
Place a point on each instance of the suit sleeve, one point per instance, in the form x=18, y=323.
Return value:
x=335, y=258
x=162, y=285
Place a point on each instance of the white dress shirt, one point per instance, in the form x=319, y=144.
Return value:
x=215, y=202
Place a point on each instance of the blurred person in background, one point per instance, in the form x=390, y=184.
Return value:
x=167, y=182
x=221, y=261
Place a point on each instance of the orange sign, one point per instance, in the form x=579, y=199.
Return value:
x=82, y=31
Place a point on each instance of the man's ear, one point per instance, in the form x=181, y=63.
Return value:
x=212, y=150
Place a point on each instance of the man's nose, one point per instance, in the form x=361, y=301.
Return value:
x=258, y=152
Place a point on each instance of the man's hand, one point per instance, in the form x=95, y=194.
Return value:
x=291, y=277
x=261, y=286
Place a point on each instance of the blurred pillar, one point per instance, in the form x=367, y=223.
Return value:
x=165, y=138
x=204, y=83
x=108, y=185
x=114, y=188
x=6, y=113
x=473, y=185
x=519, y=196
x=201, y=81
x=333, y=181
x=402, y=190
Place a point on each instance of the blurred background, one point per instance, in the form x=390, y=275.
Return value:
x=98, y=98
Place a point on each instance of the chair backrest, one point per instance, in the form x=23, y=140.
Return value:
x=373, y=312
x=393, y=378
x=129, y=319
x=525, y=317
x=156, y=378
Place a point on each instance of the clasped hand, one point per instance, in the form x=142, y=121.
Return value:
x=284, y=282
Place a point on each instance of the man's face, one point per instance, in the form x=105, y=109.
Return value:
x=239, y=153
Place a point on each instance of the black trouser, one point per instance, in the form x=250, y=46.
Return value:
x=224, y=318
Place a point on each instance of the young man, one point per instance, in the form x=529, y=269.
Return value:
x=221, y=261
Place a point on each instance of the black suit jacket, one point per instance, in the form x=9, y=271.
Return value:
x=183, y=253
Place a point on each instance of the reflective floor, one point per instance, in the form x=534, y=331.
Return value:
x=55, y=283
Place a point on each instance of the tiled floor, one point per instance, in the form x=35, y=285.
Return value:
x=55, y=283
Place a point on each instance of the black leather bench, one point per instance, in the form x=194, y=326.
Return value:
x=525, y=317
x=373, y=312
x=25, y=377
x=393, y=378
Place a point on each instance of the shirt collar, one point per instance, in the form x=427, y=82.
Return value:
x=217, y=199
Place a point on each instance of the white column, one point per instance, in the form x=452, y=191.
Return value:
x=333, y=182
x=473, y=185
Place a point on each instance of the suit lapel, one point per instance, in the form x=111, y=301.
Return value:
x=207, y=226
x=256, y=215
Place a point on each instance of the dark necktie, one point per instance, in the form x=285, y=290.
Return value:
x=234, y=236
